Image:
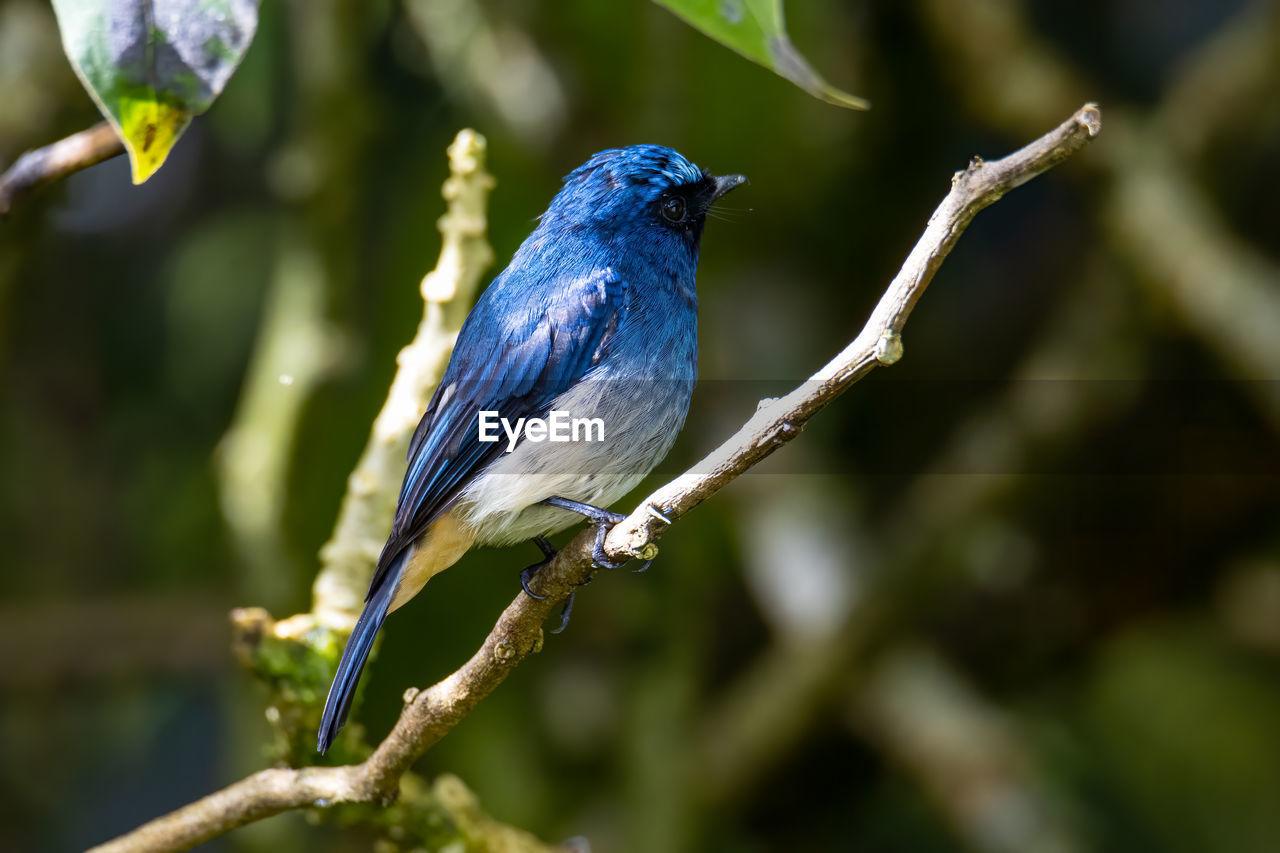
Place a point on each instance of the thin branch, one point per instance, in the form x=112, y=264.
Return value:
x=53, y=162
x=779, y=696
x=1222, y=288
x=778, y=421
x=429, y=714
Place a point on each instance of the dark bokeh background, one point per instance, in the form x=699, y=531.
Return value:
x=1020, y=592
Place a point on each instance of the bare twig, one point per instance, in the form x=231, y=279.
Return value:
x=429, y=714
x=778, y=421
x=781, y=694
x=1221, y=288
x=53, y=162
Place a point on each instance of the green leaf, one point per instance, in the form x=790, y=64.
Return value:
x=152, y=66
x=756, y=29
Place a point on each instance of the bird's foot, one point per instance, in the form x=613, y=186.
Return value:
x=548, y=553
x=603, y=519
x=565, y=613
x=526, y=575
x=568, y=609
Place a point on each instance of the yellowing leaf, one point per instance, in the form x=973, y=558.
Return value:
x=151, y=65
x=149, y=129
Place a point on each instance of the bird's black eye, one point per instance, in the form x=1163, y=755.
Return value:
x=673, y=209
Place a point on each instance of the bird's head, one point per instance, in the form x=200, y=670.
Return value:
x=642, y=191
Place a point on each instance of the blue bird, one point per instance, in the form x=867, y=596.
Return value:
x=595, y=317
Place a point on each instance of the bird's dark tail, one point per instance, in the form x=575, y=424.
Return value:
x=343, y=689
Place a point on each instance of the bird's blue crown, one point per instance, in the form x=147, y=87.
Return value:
x=656, y=165
x=617, y=188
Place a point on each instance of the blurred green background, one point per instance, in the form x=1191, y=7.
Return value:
x=1019, y=593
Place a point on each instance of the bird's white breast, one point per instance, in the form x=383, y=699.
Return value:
x=641, y=419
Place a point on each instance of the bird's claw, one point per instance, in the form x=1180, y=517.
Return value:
x=544, y=546
x=603, y=519
x=564, y=614
x=526, y=575
x=599, y=556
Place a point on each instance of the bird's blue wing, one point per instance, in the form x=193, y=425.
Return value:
x=523, y=345
x=516, y=353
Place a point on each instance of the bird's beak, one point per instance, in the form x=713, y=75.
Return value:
x=723, y=183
